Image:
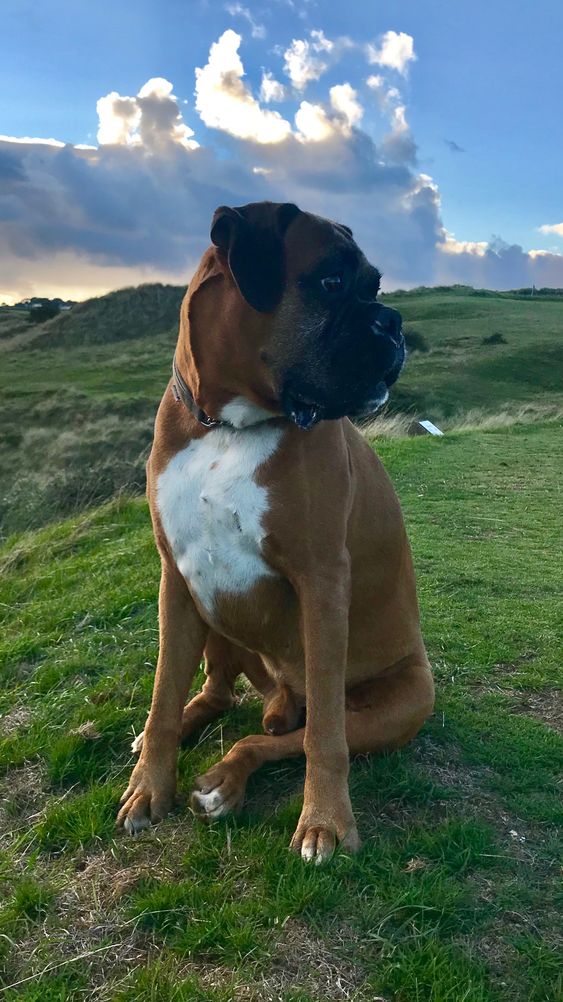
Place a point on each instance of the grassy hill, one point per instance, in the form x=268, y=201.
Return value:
x=453, y=897
x=124, y=315
x=78, y=394
x=521, y=363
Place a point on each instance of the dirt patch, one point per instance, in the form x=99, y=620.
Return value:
x=12, y=721
x=445, y=767
x=300, y=958
x=510, y=667
x=545, y=705
x=22, y=796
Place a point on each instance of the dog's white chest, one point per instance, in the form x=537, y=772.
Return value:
x=212, y=509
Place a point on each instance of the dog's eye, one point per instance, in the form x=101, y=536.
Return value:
x=332, y=283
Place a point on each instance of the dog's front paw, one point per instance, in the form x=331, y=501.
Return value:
x=320, y=831
x=220, y=791
x=147, y=800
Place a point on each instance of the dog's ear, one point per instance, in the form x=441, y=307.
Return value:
x=252, y=237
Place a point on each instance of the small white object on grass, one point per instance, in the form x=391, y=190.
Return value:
x=431, y=428
x=424, y=428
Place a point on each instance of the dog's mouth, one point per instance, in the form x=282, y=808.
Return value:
x=303, y=413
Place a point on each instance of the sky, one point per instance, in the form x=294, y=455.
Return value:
x=433, y=130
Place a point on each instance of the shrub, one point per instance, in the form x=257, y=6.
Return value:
x=496, y=338
x=39, y=314
x=415, y=341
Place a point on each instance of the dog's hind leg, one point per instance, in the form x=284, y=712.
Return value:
x=224, y=662
x=222, y=668
x=382, y=714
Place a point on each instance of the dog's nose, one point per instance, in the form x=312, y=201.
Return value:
x=388, y=323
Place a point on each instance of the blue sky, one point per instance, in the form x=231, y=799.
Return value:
x=480, y=95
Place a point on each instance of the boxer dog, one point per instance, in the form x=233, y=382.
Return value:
x=284, y=554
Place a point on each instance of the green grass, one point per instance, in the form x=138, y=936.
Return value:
x=461, y=373
x=78, y=395
x=453, y=895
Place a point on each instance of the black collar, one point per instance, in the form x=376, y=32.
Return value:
x=183, y=394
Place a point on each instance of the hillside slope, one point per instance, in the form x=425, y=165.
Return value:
x=123, y=315
x=77, y=404
x=453, y=896
x=521, y=363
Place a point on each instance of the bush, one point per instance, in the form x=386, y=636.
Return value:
x=39, y=314
x=415, y=341
x=494, y=339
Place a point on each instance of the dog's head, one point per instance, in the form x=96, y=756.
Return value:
x=296, y=314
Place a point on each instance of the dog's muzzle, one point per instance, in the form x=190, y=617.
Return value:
x=387, y=325
x=382, y=347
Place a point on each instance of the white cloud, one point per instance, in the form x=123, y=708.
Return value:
x=398, y=144
x=225, y=102
x=301, y=63
x=556, y=228
x=316, y=124
x=376, y=81
x=313, y=123
x=270, y=89
x=118, y=118
x=237, y=10
x=320, y=42
x=394, y=49
x=449, y=245
x=344, y=100
x=28, y=139
x=151, y=119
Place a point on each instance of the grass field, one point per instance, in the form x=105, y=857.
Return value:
x=453, y=897
x=78, y=396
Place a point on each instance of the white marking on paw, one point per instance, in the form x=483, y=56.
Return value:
x=212, y=804
x=135, y=825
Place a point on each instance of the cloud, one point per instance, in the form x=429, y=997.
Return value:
x=270, y=89
x=79, y=221
x=449, y=245
x=237, y=10
x=556, y=228
x=344, y=100
x=496, y=264
x=313, y=123
x=399, y=145
x=302, y=61
x=152, y=118
x=27, y=140
x=395, y=50
x=225, y=102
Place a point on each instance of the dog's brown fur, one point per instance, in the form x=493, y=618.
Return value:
x=335, y=632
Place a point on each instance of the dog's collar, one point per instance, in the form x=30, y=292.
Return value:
x=183, y=394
